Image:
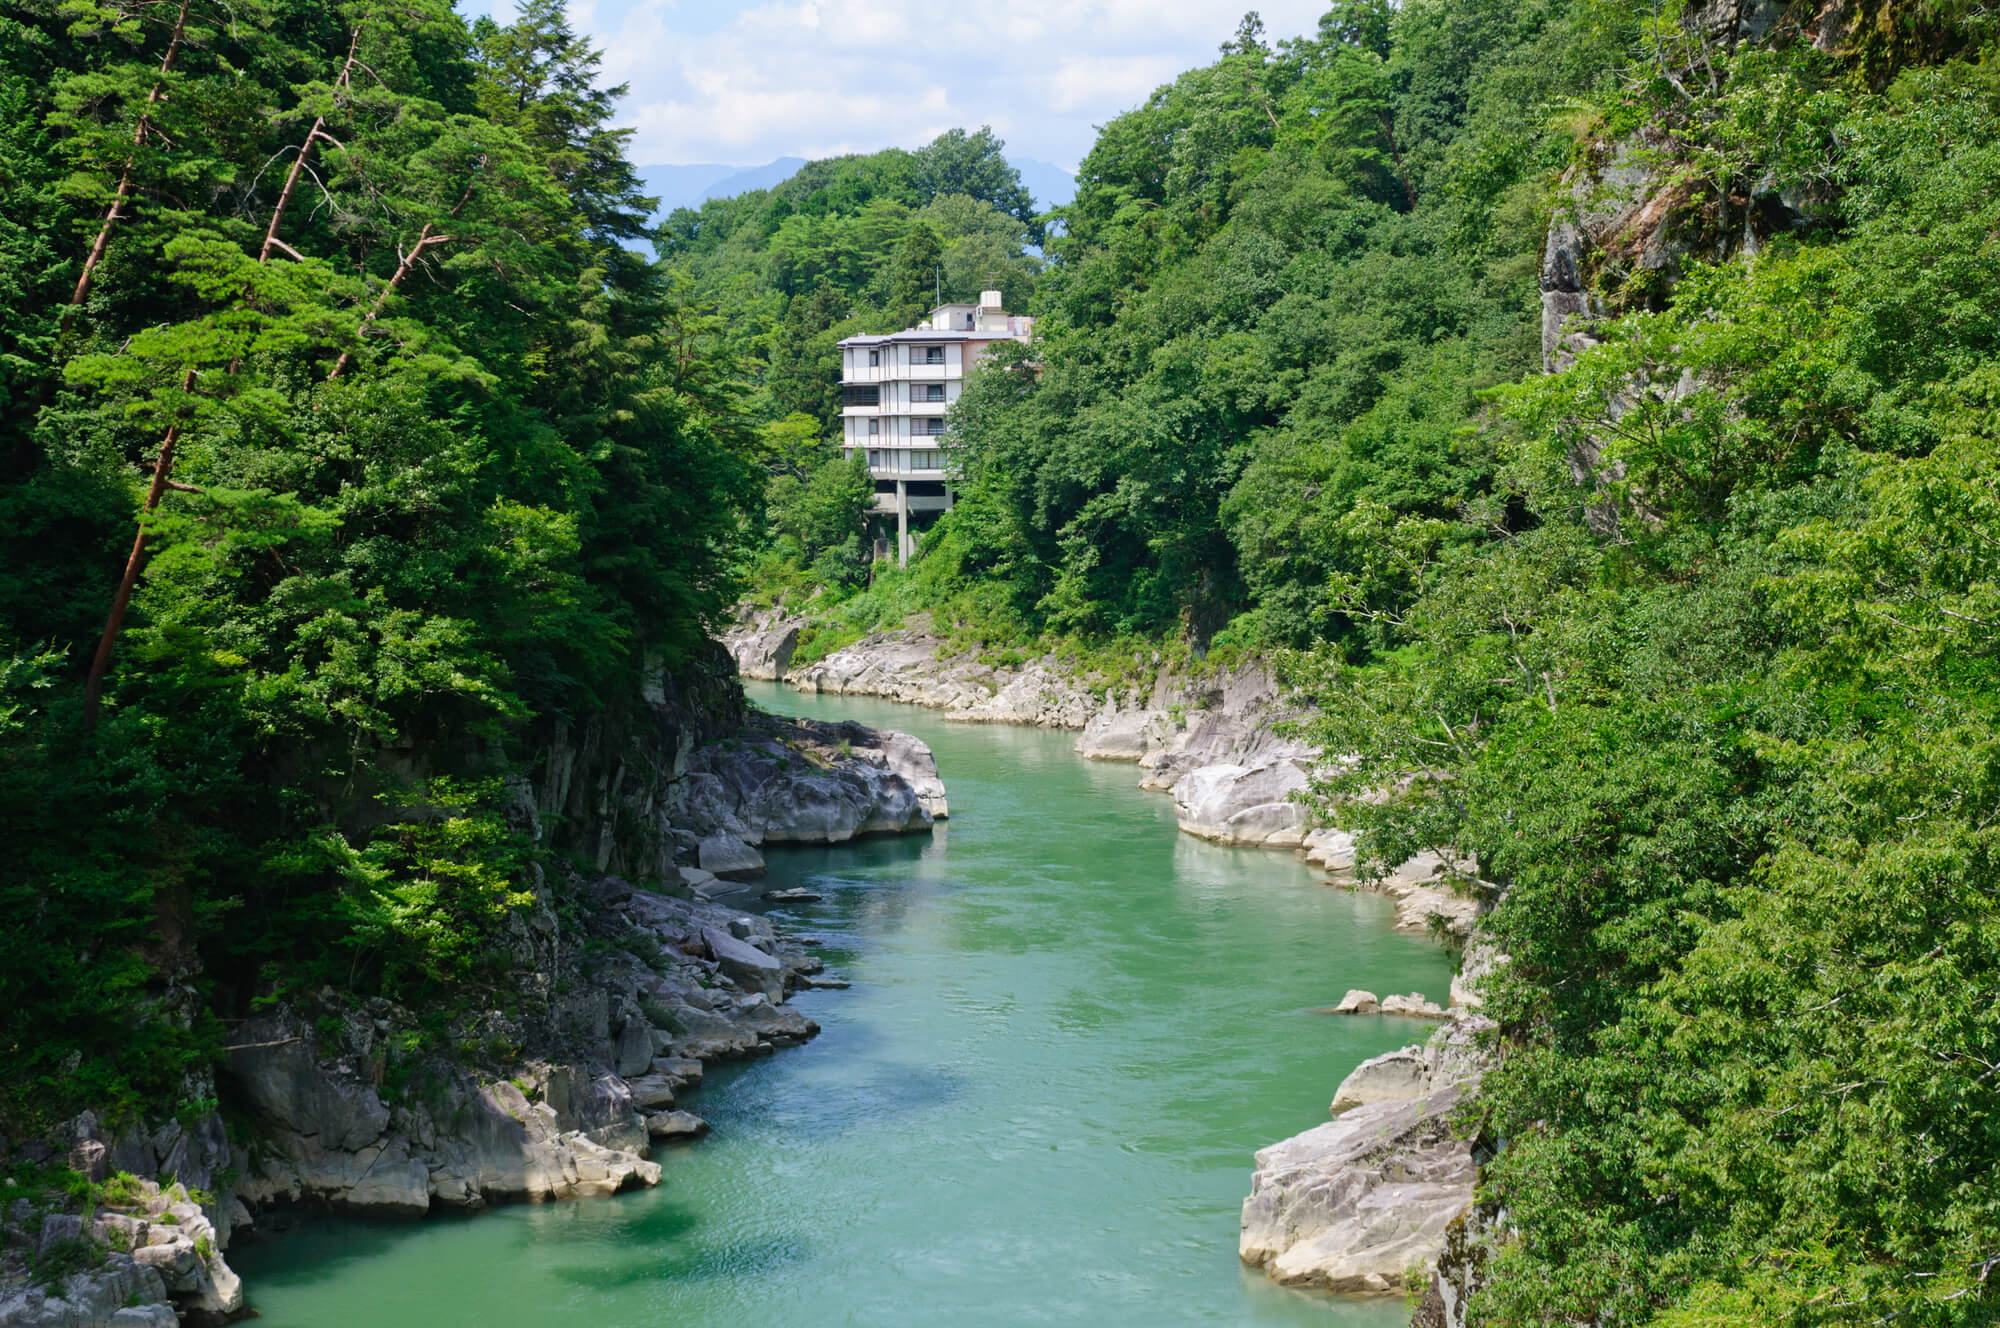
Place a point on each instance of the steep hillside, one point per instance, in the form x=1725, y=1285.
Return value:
x=1590, y=407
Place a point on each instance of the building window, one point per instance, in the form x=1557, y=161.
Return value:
x=927, y=460
x=927, y=354
x=868, y=395
x=930, y=426
x=927, y=392
x=874, y=359
x=874, y=427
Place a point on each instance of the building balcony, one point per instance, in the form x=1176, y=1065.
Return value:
x=918, y=409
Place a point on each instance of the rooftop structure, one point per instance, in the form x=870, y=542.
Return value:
x=894, y=392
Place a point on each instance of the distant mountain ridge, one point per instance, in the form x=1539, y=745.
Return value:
x=691, y=186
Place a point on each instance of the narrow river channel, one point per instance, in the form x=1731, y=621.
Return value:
x=1069, y=1028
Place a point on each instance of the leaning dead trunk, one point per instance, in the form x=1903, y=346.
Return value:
x=115, y=213
x=314, y=135
x=100, y=662
x=425, y=239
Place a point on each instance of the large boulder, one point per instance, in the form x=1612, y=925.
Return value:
x=1394, y=1076
x=746, y=965
x=279, y=1080
x=804, y=781
x=1352, y=1205
x=390, y=1186
x=1249, y=805
x=726, y=856
x=911, y=758
x=1124, y=735
x=762, y=643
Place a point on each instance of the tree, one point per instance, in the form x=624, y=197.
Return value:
x=915, y=276
x=975, y=164
x=804, y=374
x=823, y=513
x=539, y=78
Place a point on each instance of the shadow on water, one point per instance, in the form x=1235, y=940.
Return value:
x=835, y=1106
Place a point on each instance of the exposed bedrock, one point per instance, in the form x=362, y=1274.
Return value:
x=1208, y=739
x=576, y=1127
x=1353, y=1205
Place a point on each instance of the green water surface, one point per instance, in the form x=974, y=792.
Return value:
x=1070, y=1027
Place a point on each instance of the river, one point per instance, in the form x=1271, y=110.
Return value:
x=1069, y=1028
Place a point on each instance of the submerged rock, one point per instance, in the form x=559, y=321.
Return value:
x=675, y=1125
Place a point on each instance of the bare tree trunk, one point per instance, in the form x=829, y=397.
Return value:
x=113, y=215
x=425, y=239
x=313, y=135
x=163, y=465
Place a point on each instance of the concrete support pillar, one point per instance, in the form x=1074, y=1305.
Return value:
x=902, y=522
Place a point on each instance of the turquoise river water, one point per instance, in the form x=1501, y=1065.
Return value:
x=1069, y=1028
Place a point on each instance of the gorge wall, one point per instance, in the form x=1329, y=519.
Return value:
x=628, y=972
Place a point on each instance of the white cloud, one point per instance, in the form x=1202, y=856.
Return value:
x=814, y=77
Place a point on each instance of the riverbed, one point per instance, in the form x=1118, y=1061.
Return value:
x=1069, y=1028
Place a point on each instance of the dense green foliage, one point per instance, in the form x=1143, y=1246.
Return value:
x=448, y=466
x=1281, y=282
x=1692, y=643
x=1724, y=726
x=854, y=245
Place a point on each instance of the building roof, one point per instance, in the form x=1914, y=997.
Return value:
x=924, y=334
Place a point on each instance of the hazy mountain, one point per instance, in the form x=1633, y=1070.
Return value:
x=691, y=186
x=682, y=186
x=1051, y=185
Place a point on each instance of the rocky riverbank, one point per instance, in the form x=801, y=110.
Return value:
x=1385, y=1188
x=1210, y=740
x=1353, y=1205
x=634, y=968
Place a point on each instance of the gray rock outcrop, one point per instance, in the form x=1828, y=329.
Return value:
x=1434, y=894
x=1208, y=739
x=762, y=643
x=1354, y=1204
x=1247, y=805
x=149, y=1256
x=800, y=781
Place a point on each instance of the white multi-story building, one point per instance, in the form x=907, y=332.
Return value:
x=894, y=392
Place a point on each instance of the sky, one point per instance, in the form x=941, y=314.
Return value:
x=744, y=83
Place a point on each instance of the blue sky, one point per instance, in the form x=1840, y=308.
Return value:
x=744, y=82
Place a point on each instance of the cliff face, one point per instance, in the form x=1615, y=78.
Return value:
x=628, y=972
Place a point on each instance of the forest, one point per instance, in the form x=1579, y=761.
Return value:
x=1691, y=642
x=346, y=448
x=344, y=415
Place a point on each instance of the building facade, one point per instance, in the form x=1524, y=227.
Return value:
x=894, y=392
